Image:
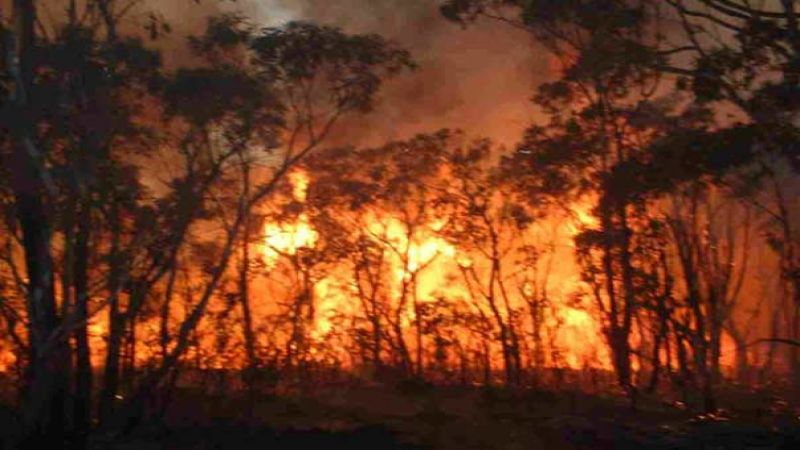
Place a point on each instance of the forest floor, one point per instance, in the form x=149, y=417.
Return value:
x=421, y=417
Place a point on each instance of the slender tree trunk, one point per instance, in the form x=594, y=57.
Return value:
x=83, y=374
x=768, y=368
x=244, y=286
x=166, y=308
x=795, y=335
x=405, y=355
x=116, y=324
x=111, y=371
x=662, y=335
x=128, y=375
x=629, y=305
x=503, y=336
x=656, y=356
x=684, y=377
x=376, y=339
x=741, y=358
x=418, y=328
x=67, y=282
x=715, y=341
x=247, y=323
x=244, y=292
x=487, y=364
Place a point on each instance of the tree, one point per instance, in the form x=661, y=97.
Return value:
x=85, y=111
x=486, y=223
x=737, y=57
x=394, y=182
x=313, y=74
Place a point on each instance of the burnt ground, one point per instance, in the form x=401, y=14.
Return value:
x=461, y=418
x=417, y=416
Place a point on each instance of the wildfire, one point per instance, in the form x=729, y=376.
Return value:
x=582, y=218
x=580, y=335
x=288, y=238
x=417, y=252
x=422, y=265
x=299, y=180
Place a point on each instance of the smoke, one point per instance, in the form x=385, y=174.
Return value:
x=479, y=80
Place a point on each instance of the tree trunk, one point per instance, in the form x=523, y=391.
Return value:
x=624, y=358
x=741, y=360
x=247, y=325
x=244, y=294
x=48, y=371
x=617, y=319
x=43, y=409
x=418, y=328
x=83, y=375
x=715, y=339
x=116, y=325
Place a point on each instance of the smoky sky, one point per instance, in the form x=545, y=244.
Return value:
x=478, y=79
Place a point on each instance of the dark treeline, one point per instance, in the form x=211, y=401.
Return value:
x=145, y=206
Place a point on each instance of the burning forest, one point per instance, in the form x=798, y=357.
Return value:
x=423, y=224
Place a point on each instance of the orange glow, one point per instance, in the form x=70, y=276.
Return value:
x=287, y=238
x=581, y=336
x=428, y=267
x=424, y=263
x=299, y=180
x=7, y=360
x=582, y=218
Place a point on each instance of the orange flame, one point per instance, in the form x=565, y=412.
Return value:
x=427, y=258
